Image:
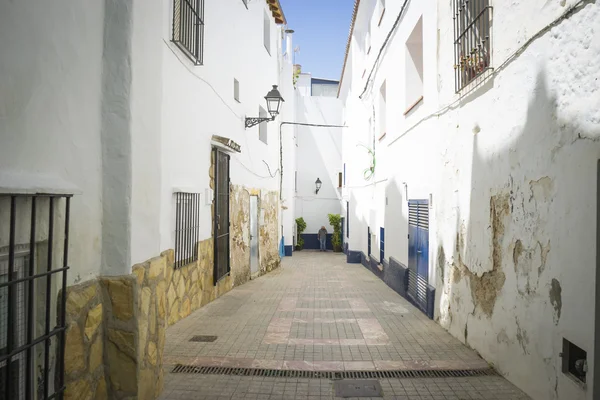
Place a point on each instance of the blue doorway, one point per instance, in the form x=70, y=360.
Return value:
x=418, y=252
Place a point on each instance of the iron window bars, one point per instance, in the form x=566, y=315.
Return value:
x=187, y=226
x=472, y=44
x=28, y=283
x=188, y=28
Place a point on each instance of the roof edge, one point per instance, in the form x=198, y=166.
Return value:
x=277, y=12
x=352, y=23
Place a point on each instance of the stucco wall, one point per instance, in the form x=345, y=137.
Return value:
x=50, y=113
x=318, y=155
x=511, y=167
x=198, y=102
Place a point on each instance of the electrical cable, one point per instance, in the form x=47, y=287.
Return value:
x=281, y=124
x=200, y=79
x=383, y=46
x=503, y=65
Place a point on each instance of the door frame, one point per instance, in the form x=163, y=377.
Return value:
x=216, y=153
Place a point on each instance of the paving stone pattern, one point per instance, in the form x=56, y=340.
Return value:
x=318, y=313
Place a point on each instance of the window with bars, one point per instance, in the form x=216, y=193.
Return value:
x=187, y=228
x=188, y=28
x=267, y=32
x=34, y=243
x=472, y=40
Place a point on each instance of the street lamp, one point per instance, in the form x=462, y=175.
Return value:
x=318, y=184
x=274, y=101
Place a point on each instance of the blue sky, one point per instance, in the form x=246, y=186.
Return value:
x=321, y=30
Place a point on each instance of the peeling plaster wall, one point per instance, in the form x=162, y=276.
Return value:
x=268, y=230
x=511, y=167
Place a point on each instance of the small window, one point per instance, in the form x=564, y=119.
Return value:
x=187, y=228
x=574, y=361
x=472, y=44
x=382, y=111
x=188, y=28
x=344, y=172
x=340, y=178
x=262, y=127
x=236, y=90
x=267, y=33
x=295, y=181
x=414, y=67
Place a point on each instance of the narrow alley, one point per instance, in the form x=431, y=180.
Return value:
x=318, y=314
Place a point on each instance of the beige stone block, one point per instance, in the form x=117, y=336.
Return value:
x=162, y=299
x=78, y=298
x=152, y=353
x=101, y=389
x=186, y=309
x=195, y=276
x=161, y=338
x=74, y=350
x=120, y=291
x=181, y=288
x=157, y=267
x=122, y=370
x=146, y=296
x=139, y=271
x=171, y=295
x=196, y=302
x=143, y=336
x=124, y=341
x=93, y=321
x=160, y=380
x=169, y=256
x=78, y=390
x=152, y=320
x=174, y=312
x=147, y=384
x=96, y=354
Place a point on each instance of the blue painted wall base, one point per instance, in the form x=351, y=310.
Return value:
x=353, y=257
x=289, y=250
x=311, y=241
x=395, y=275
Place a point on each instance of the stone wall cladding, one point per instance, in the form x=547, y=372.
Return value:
x=240, y=233
x=84, y=343
x=269, y=232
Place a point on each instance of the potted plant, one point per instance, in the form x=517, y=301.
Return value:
x=335, y=220
x=301, y=226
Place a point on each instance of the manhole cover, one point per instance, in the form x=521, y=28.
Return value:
x=358, y=388
x=203, y=338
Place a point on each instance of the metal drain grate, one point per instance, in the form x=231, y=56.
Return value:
x=203, y=338
x=278, y=373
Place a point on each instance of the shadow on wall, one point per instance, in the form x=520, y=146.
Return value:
x=503, y=280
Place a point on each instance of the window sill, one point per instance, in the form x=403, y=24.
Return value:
x=413, y=106
x=381, y=18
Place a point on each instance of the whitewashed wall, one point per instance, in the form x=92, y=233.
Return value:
x=521, y=146
x=198, y=102
x=50, y=122
x=319, y=155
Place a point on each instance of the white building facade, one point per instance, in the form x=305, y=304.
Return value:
x=137, y=110
x=471, y=168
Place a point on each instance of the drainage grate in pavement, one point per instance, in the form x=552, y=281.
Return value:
x=280, y=373
x=357, y=388
x=203, y=338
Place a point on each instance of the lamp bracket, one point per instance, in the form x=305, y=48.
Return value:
x=252, y=121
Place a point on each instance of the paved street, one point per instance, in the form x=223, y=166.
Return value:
x=318, y=313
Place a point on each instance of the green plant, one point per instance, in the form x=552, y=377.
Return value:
x=335, y=220
x=301, y=226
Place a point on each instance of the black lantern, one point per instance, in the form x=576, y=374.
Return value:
x=318, y=184
x=274, y=101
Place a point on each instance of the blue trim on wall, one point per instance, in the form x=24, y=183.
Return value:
x=395, y=275
x=281, y=246
x=311, y=241
x=353, y=257
x=289, y=250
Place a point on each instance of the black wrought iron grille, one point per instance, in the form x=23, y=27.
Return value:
x=33, y=275
x=472, y=40
x=187, y=228
x=188, y=28
x=221, y=216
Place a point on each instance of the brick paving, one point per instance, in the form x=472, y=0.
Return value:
x=319, y=313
